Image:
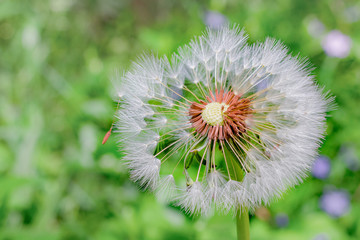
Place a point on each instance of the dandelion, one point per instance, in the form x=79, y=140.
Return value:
x=221, y=124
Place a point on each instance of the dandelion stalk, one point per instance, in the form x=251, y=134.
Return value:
x=242, y=214
x=242, y=225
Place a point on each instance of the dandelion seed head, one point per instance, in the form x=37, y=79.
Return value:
x=221, y=123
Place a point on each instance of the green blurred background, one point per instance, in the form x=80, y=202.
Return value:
x=57, y=181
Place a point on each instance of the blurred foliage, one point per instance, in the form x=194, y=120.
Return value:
x=56, y=58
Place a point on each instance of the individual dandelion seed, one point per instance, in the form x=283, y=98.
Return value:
x=223, y=123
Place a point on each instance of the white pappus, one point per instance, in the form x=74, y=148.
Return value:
x=222, y=124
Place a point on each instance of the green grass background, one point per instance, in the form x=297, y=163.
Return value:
x=56, y=60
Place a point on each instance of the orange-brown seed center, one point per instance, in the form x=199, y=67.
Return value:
x=221, y=116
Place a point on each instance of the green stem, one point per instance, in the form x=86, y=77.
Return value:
x=242, y=225
x=242, y=215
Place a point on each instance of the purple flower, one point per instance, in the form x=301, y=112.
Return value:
x=352, y=14
x=214, y=20
x=321, y=236
x=282, y=220
x=348, y=155
x=316, y=28
x=335, y=203
x=321, y=167
x=336, y=44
